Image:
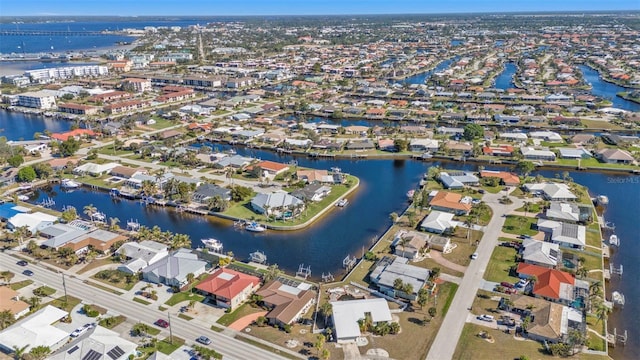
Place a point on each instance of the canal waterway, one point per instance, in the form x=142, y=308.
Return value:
x=422, y=77
x=20, y=126
x=607, y=90
x=504, y=80
x=350, y=230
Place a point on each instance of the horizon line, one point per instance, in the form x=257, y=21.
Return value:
x=334, y=14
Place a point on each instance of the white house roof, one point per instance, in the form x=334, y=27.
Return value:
x=563, y=211
x=35, y=330
x=547, y=135
x=386, y=274
x=529, y=151
x=176, y=266
x=516, y=136
x=540, y=252
x=552, y=190
x=573, y=153
x=438, y=220
x=275, y=200
x=92, y=168
x=34, y=221
x=570, y=233
x=101, y=344
x=347, y=313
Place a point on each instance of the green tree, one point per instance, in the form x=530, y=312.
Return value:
x=69, y=214
x=6, y=319
x=69, y=147
x=525, y=167
x=26, y=174
x=272, y=273
x=401, y=144
x=472, y=131
x=39, y=352
x=15, y=160
x=139, y=329
x=18, y=353
x=326, y=309
x=423, y=297
x=190, y=278
x=43, y=170
x=432, y=311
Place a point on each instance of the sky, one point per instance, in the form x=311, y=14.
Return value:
x=296, y=7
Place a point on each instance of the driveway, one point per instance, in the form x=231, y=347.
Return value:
x=246, y=320
x=437, y=257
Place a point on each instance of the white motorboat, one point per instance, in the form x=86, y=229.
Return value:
x=613, y=240
x=69, y=184
x=255, y=227
x=258, y=257
x=342, y=203
x=602, y=200
x=23, y=197
x=213, y=244
x=617, y=298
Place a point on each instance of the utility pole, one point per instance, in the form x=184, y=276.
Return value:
x=170, y=330
x=64, y=286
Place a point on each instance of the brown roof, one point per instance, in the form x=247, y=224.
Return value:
x=449, y=200
x=287, y=301
x=547, y=316
x=124, y=171
x=9, y=301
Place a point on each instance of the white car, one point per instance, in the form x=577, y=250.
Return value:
x=474, y=255
x=79, y=331
x=485, y=317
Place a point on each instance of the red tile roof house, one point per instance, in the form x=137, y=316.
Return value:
x=506, y=178
x=76, y=134
x=288, y=304
x=553, y=285
x=229, y=288
x=272, y=168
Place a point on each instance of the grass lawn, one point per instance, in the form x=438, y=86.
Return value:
x=116, y=278
x=97, y=263
x=183, y=296
x=592, y=262
x=186, y=317
x=20, y=284
x=519, y=225
x=493, y=189
x=517, y=193
x=245, y=309
x=113, y=321
x=361, y=271
x=44, y=291
x=593, y=237
x=108, y=150
x=161, y=123
x=534, y=208
x=483, y=304
x=268, y=348
x=594, y=163
x=141, y=301
x=430, y=264
x=595, y=124
x=505, y=346
x=167, y=346
x=502, y=259
x=67, y=305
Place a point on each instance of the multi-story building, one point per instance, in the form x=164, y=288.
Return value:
x=37, y=99
x=137, y=84
x=67, y=72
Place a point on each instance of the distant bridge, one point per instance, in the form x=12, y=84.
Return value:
x=56, y=33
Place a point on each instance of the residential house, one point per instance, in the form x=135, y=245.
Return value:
x=312, y=192
x=551, y=191
x=100, y=344
x=275, y=203
x=506, y=178
x=141, y=255
x=172, y=270
x=531, y=153
x=410, y=244
x=424, y=145
x=35, y=330
x=568, y=212
x=540, y=253
x=347, y=314
x=271, y=168
x=553, y=285
x=449, y=202
x=615, y=156
x=95, y=169
x=77, y=134
x=458, y=180
x=10, y=301
x=513, y=136
x=387, y=145
x=34, y=222
x=360, y=144
x=438, y=222
x=546, y=136
x=228, y=288
x=126, y=172
x=315, y=176
x=498, y=150
x=388, y=270
x=573, y=153
x=210, y=191
x=287, y=303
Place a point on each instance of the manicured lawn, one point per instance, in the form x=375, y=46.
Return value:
x=20, y=284
x=67, y=305
x=97, y=263
x=592, y=262
x=153, y=331
x=116, y=278
x=361, y=271
x=493, y=189
x=104, y=288
x=502, y=259
x=595, y=124
x=533, y=208
x=471, y=346
x=430, y=264
x=594, y=163
x=141, y=301
x=593, y=237
x=519, y=225
x=44, y=291
x=167, y=346
x=183, y=296
x=186, y=317
x=161, y=123
x=482, y=304
x=245, y=309
x=113, y=321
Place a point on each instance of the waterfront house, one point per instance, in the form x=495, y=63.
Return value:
x=387, y=145
x=449, y=202
x=347, y=314
x=531, y=153
x=271, y=168
x=551, y=191
x=553, y=285
x=210, y=191
x=546, y=136
x=438, y=222
x=389, y=269
x=312, y=192
x=498, y=150
x=615, y=156
x=287, y=303
x=424, y=145
x=234, y=162
x=315, y=176
x=457, y=179
x=540, y=253
x=568, y=212
x=360, y=144
x=95, y=169
x=172, y=270
x=572, y=153
x=274, y=203
x=410, y=244
x=34, y=222
x=228, y=288
x=461, y=148
x=550, y=322
x=77, y=134
x=141, y=255
x=126, y=172
x=10, y=301
x=36, y=330
x=583, y=139
x=513, y=136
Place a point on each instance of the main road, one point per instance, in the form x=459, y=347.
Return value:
x=448, y=336
x=227, y=346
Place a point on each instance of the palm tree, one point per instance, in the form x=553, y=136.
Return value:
x=34, y=302
x=326, y=309
x=190, y=278
x=39, y=352
x=20, y=233
x=89, y=210
x=6, y=319
x=526, y=207
x=113, y=223
x=18, y=353
x=468, y=224
x=602, y=311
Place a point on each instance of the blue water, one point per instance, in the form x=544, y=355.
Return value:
x=37, y=44
x=423, y=76
x=19, y=126
x=607, y=90
x=456, y=42
x=504, y=80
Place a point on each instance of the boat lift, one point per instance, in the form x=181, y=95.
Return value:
x=303, y=272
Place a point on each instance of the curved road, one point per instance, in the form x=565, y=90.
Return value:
x=227, y=346
x=448, y=336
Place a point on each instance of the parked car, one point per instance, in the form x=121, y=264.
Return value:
x=485, y=317
x=79, y=331
x=22, y=263
x=510, y=291
x=203, y=340
x=522, y=283
x=506, y=284
x=162, y=323
x=481, y=191
x=474, y=255
x=28, y=272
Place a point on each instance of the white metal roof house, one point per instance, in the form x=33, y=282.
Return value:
x=102, y=343
x=95, y=169
x=35, y=330
x=34, y=222
x=551, y=191
x=438, y=222
x=141, y=254
x=347, y=313
x=172, y=270
x=540, y=253
x=388, y=270
x=274, y=202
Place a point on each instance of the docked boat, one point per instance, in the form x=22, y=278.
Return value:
x=602, y=200
x=69, y=184
x=255, y=227
x=23, y=197
x=613, y=240
x=342, y=203
x=213, y=244
x=410, y=194
x=98, y=216
x=258, y=257
x=617, y=298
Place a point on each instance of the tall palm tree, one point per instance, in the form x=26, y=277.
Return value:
x=190, y=278
x=20, y=233
x=326, y=309
x=89, y=210
x=113, y=223
x=19, y=352
x=6, y=319
x=602, y=311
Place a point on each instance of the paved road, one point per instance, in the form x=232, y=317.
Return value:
x=449, y=334
x=229, y=347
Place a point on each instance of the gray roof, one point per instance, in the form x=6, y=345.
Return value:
x=146, y=250
x=563, y=211
x=176, y=266
x=386, y=274
x=540, y=252
x=235, y=161
x=275, y=200
x=569, y=233
x=211, y=190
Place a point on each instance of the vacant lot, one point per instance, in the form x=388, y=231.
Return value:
x=520, y=225
x=502, y=259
